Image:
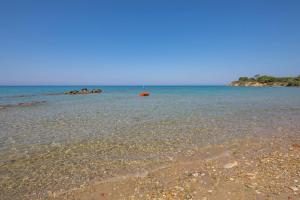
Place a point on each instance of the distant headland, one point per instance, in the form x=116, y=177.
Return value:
x=263, y=81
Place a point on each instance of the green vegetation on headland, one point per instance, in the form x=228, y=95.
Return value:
x=261, y=81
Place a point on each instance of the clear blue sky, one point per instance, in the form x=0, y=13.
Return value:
x=146, y=42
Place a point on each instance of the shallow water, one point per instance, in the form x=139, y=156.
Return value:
x=71, y=140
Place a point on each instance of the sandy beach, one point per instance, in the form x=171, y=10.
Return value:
x=253, y=168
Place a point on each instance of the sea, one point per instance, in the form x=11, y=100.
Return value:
x=51, y=141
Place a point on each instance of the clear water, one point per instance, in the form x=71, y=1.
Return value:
x=125, y=127
x=64, y=118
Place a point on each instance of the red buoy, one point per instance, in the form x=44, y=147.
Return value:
x=144, y=94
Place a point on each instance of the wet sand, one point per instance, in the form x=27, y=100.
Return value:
x=253, y=168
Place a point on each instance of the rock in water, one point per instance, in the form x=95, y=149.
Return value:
x=96, y=91
x=83, y=91
x=72, y=92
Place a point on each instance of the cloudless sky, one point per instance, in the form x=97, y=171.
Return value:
x=149, y=42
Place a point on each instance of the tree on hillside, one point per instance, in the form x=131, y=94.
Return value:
x=266, y=79
x=244, y=78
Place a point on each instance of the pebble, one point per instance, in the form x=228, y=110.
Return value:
x=251, y=175
x=230, y=165
x=195, y=174
x=257, y=192
x=179, y=188
x=294, y=188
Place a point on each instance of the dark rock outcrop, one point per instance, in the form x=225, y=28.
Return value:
x=83, y=91
x=96, y=91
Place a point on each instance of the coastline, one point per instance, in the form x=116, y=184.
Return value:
x=267, y=81
x=77, y=146
x=257, y=84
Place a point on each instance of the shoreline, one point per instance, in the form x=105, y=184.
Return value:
x=243, y=168
x=238, y=169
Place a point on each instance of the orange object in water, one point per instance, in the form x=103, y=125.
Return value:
x=144, y=94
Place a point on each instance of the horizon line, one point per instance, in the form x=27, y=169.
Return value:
x=129, y=85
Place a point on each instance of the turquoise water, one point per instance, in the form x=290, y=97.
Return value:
x=63, y=118
x=70, y=139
